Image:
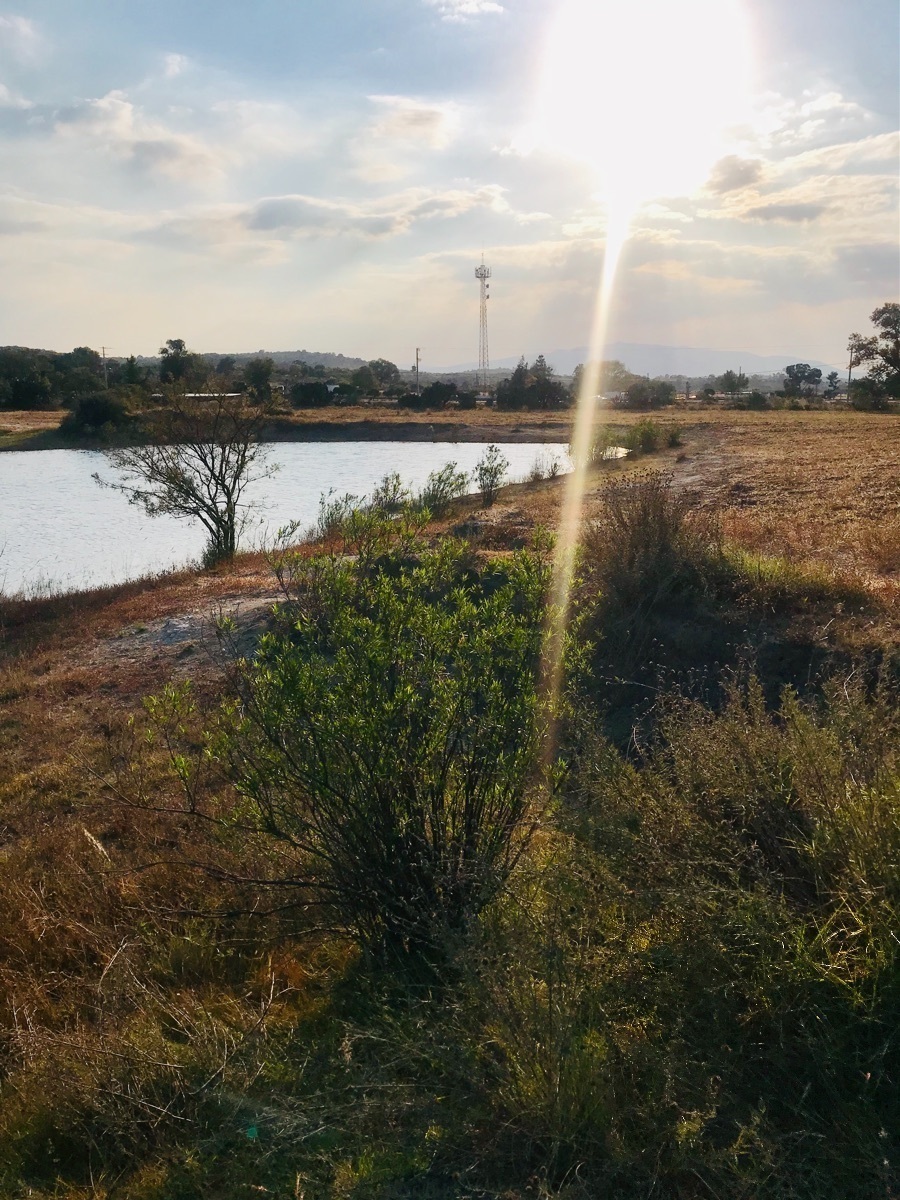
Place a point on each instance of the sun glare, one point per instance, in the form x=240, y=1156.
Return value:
x=646, y=94
x=644, y=91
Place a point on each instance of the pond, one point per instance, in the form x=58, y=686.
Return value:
x=59, y=531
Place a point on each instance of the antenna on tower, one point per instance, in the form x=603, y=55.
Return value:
x=483, y=274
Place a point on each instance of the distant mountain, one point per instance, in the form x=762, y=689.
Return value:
x=645, y=359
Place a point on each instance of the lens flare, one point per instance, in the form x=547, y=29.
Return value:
x=647, y=94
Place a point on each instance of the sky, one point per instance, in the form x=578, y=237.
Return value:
x=303, y=174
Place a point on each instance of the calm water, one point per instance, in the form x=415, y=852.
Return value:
x=59, y=531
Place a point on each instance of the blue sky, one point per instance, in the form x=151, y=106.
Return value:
x=326, y=175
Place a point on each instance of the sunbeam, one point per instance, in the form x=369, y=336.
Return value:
x=615, y=94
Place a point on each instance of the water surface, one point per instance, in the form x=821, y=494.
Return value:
x=59, y=531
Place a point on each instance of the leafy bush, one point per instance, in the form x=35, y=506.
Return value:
x=606, y=445
x=386, y=735
x=94, y=413
x=390, y=495
x=645, y=437
x=334, y=511
x=490, y=471
x=443, y=487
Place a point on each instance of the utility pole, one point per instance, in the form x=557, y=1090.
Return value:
x=418, y=392
x=103, y=350
x=483, y=274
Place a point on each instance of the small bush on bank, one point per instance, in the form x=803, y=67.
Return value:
x=643, y=550
x=442, y=488
x=606, y=443
x=387, y=733
x=645, y=437
x=490, y=471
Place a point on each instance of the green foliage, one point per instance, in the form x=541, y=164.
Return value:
x=647, y=393
x=441, y=489
x=391, y=495
x=532, y=387
x=882, y=350
x=732, y=383
x=94, y=414
x=645, y=437
x=802, y=380
x=258, y=374
x=387, y=734
x=490, y=471
x=707, y=967
x=201, y=454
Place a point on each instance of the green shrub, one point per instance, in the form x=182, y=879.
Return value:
x=387, y=735
x=606, y=444
x=390, y=495
x=95, y=413
x=645, y=437
x=441, y=489
x=490, y=471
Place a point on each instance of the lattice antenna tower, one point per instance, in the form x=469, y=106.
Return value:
x=483, y=274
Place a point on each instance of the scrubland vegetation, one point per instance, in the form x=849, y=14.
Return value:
x=313, y=908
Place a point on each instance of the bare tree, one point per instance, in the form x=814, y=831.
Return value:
x=201, y=453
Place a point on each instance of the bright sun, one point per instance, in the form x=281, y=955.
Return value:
x=644, y=91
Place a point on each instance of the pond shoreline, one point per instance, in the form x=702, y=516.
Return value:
x=343, y=426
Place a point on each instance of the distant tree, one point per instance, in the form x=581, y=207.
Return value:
x=512, y=392
x=882, y=350
x=647, y=393
x=732, y=383
x=132, y=375
x=801, y=380
x=365, y=380
x=31, y=391
x=860, y=350
x=258, y=374
x=309, y=393
x=435, y=395
x=175, y=361
x=227, y=365
x=101, y=412
x=532, y=387
x=385, y=372
x=577, y=379
x=832, y=385
x=201, y=454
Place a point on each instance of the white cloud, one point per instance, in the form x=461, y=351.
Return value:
x=464, y=10
x=10, y=99
x=175, y=65
x=19, y=36
x=114, y=125
x=814, y=119
x=289, y=217
x=420, y=122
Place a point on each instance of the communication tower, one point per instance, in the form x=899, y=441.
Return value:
x=483, y=274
